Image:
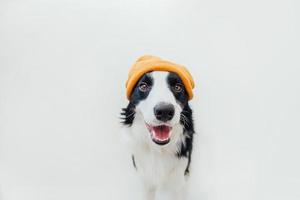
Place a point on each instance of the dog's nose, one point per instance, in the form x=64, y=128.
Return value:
x=164, y=111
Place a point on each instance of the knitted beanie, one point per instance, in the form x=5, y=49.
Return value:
x=149, y=63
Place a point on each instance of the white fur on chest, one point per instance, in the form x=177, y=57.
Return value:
x=159, y=169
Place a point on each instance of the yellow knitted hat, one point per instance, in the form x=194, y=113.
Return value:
x=149, y=63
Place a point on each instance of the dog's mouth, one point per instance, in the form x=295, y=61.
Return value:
x=160, y=134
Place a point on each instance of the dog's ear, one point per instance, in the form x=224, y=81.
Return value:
x=186, y=148
x=127, y=114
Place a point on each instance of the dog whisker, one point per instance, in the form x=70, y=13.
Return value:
x=185, y=120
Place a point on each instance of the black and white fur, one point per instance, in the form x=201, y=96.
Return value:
x=163, y=167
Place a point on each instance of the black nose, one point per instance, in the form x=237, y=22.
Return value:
x=164, y=111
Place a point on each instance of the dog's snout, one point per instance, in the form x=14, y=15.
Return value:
x=164, y=111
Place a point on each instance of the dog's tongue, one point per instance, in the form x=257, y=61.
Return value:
x=161, y=132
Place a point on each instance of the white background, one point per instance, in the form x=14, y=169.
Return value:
x=63, y=66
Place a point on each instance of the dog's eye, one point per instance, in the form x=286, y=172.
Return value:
x=143, y=87
x=178, y=87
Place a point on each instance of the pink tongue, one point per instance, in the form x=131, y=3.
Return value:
x=161, y=132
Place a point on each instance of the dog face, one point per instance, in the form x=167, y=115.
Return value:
x=159, y=105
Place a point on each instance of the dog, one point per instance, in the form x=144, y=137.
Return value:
x=159, y=122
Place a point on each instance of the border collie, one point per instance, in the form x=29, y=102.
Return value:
x=160, y=128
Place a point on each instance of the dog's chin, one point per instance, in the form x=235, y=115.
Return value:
x=160, y=134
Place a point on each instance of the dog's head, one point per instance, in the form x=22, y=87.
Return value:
x=158, y=110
